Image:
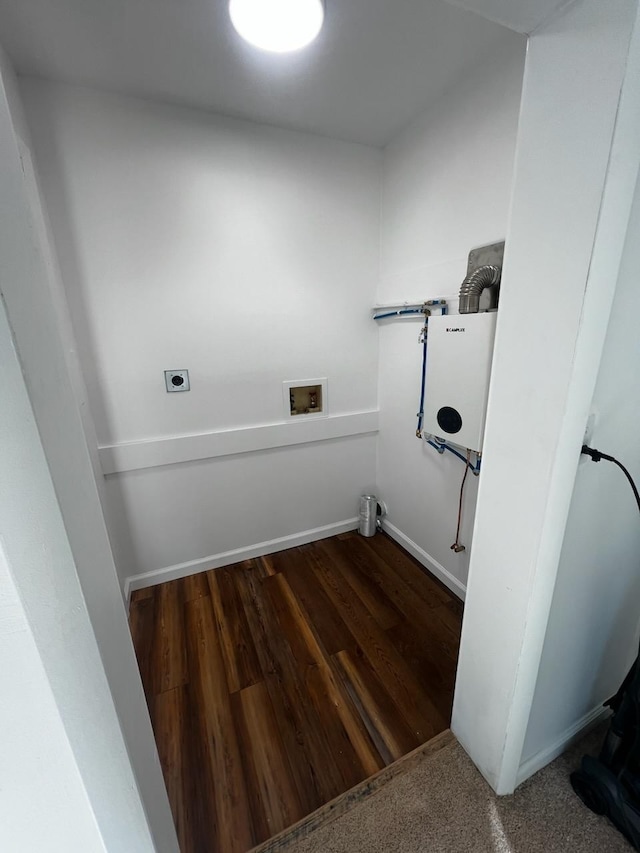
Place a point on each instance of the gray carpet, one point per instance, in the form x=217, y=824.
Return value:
x=444, y=804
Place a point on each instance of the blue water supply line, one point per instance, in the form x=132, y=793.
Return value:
x=475, y=469
x=400, y=313
x=403, y=312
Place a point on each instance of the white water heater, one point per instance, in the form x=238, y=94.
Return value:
x=459, y=354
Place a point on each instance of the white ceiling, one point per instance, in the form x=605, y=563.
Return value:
x=376, y=65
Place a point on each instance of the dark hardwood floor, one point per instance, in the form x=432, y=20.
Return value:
x=276, y=684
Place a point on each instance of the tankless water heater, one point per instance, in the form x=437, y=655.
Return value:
x=459, y=354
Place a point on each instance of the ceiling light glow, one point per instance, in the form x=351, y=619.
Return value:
x=277, y=25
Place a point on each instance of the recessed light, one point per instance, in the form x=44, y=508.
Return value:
x=277, y=25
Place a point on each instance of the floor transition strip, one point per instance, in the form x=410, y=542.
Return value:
x=354, y=796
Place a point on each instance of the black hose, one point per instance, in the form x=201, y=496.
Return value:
x=597, y=455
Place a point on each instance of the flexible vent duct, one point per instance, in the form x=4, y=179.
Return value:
x=474, y=284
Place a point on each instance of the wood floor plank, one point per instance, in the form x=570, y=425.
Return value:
x=139, y=594
x=327, y=622
x=233, y=813
x=267, y=769
x=195, y=586
x=170, y=714
x=355, y=565
x=346, y=744
x=439, y=625
x=431, y=591
x=374, y=733
x=430, y=626
x=322, y=682
x=266, y=566
x=434, y=669
x=168, y=650
x=379, y=711
x=348, y=535
x=205, y=831
x=300, y=728
x=411, y=696
x=456, y=606
x=141, y=621
x=241, y=662
x=451, y=617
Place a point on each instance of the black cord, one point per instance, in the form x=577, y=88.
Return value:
x=596, y=456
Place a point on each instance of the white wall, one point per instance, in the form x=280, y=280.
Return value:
x=446, y=189
x=592, y=636
x=72, y=597
x=569, y=213
x=45, y=624
x=246, y=254
x=43, y=802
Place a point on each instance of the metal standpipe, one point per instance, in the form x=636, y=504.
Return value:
x=368, y=515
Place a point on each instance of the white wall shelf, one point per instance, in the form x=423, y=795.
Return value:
x=170, y=450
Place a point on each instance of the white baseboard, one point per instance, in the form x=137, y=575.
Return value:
x=451, y=582
x=226, y=558
x=579, y=729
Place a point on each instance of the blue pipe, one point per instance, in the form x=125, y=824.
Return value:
x=399, y=313
x=441, y=303
x=441, y=447
x=455, y=453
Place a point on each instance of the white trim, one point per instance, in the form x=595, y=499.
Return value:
x=170, y=450
x=226, y=558
x=436, y=568
x=580, y=728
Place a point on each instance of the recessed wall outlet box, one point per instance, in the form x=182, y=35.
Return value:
x=176, y=380
x=305, y=398
x=459, y=356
